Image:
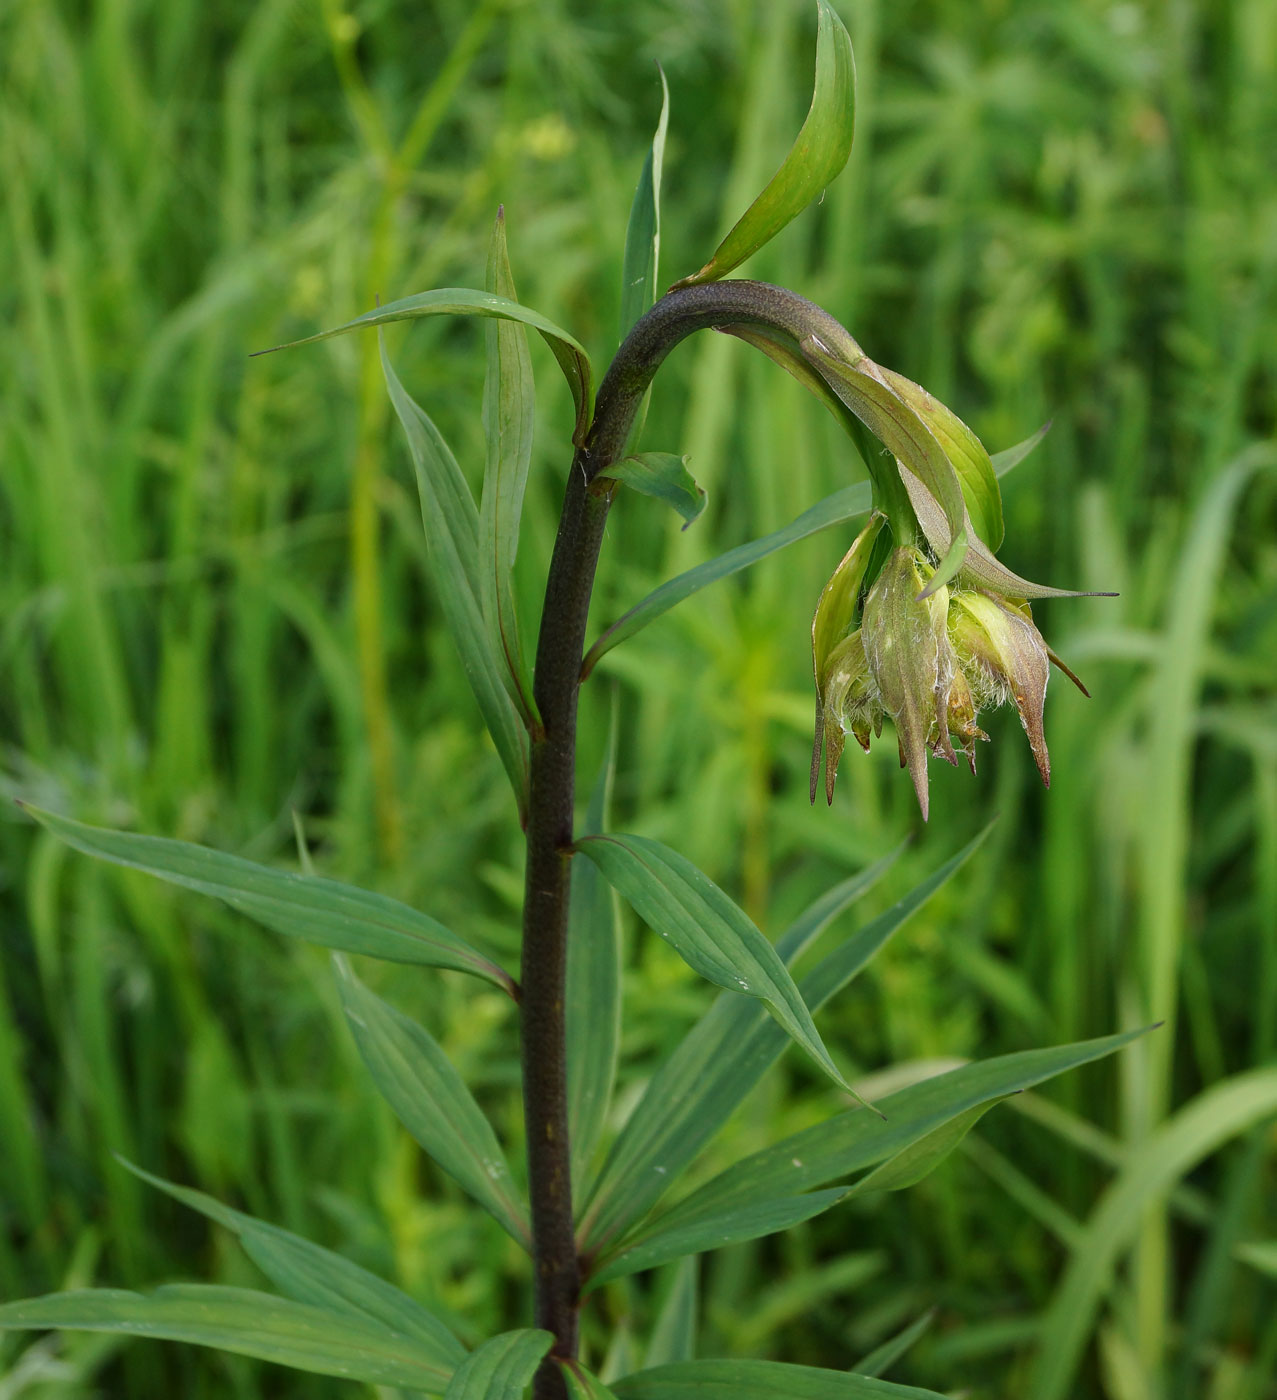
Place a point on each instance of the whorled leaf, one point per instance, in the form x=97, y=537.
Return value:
x=707, y=929
x=728, y=1051
x=308, y=1273
x=432, y=1101
x=319, y=911
x=854, y=1141
x=245, y=1322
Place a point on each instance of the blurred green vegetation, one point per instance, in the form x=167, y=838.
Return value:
x=213, y=616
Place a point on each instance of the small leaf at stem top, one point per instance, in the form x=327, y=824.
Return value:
x=664, y=476
x=816, y=157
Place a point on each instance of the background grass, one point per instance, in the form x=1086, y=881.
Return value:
x=213, y=615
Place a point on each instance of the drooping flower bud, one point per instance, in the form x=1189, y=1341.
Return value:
x=843, y=698
x=911, y=660
x=1003, y=657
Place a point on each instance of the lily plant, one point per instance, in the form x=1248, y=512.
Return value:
x=919, y=623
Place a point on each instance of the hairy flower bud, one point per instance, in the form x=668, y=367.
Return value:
x=911, y=659
x=1003, y=657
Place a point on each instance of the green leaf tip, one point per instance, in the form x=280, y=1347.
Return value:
x=466, y=301
x=815, y=159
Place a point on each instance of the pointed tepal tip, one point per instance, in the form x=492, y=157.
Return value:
x=919, y=776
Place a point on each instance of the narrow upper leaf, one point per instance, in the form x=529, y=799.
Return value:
x=817, y=156
x=465, y=301
x=979, y=566
x=509, y=415
x=246, y=1322
x=863, y=386
x=317, y=910
x=643, y=233
x=711, y=933
x=432, y=1101
x=308, y=1273
x=966, y=453
x=452, y=535
x=724, y=1056
x=758, y=1380
x=843, y=505
x=663, y=475
x=593, y=987
x=502, y=1368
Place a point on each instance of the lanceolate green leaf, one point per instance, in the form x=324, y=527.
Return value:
x=748, y=1223
x=758, y=1380
x=509, y=414
x=979, y=565
x=593, y=988
x=431, y=1100
x=706, y=929
x=465, y=301
x=308, y=1273
x=967, y=455
x=724, y=1056
x=301, y=906
x=817, y=156
x=643, y=233
x=842, y=506
x=853, y=1141
x=663, y=475
x=502, y=1368
x=452, y=535
x=245, y=1322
